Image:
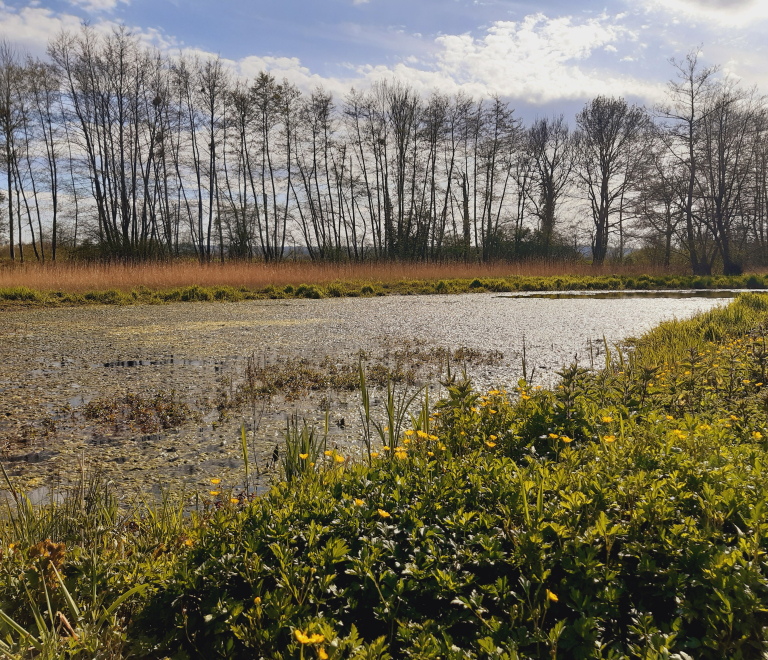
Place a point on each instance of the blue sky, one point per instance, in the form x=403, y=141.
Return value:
x=543, y=56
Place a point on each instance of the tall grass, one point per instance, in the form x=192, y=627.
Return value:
x=75, y=277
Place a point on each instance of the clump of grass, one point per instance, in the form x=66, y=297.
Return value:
x=162, y=411
x=405, y=362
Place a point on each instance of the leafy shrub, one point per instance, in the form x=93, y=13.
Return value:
x=367, y=290
x=335, y=290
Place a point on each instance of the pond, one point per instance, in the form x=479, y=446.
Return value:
x=56, y=361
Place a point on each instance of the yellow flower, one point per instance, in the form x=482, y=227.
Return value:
x=757, y=435
x=386, y=448
x=400, y=454
x=311, y=465
x=189, y=543
x=215, y=481
x=669, y=417
x=734, y=418
x=607, y=419
x=609, y=439
x=257, y=600
x=524, y=396
x=409, y=432
x=746, y=382
x=430, y=453
x=374, y=454
x=551, y=596
x=322, y=654
x=704, y=427
x=303, y=457
x=493, y=437
x=328, y=452
x=566, y=439
x=359, y=502
x=384, y=514
x=490, y=445
x=492, y=411
x=214, y=492
x=758, y=384
x=234, y=500
x=433, y=437
x=386, y=428
x=442, y=447
x=406, y=441
x=339, y=459
x=301, y=637
x=316, y=639
x=421, y=434
x=553, y=436
x=687, y=373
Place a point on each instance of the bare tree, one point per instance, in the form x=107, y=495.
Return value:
x=610, y=147
x=683, y=116
x=551, y=148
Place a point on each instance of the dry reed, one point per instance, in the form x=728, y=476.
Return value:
x=72, y=277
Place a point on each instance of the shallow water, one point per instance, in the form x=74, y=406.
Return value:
x=55, y=357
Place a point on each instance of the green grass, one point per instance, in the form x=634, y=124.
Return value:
x=620, y=515
x=23, y=296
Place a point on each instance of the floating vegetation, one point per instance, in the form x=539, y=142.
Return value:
x=162, y=411
x=400, y=362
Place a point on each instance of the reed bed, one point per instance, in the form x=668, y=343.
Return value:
x=73, y=277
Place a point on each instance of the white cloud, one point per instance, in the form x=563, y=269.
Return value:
x=30, y=28
x=538, y=59
x=96, y=6
x=718, y=13
x=360, y=2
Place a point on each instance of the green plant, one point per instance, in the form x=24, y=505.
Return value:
x=89, y=632
x=303, y=445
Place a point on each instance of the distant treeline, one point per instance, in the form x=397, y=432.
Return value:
x=119, y=151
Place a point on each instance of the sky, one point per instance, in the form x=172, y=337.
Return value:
x=544, y=57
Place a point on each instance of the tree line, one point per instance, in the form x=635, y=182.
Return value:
x=115, y=147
